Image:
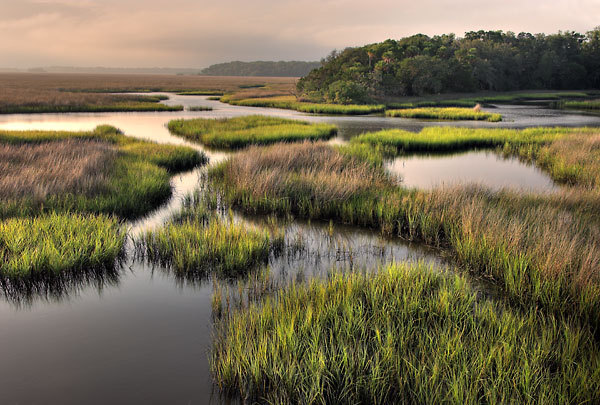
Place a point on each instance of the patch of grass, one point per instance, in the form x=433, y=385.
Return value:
x=199, y=108
x=290, y=103
x=249, y=130
x=252, y=86
x=581, y=105
x=199, y=242
x=541, y=249
x=437, y=139
x=448, y=113
x=404, y=335
x=133, y=181
x=214, y=98
x=51, y=244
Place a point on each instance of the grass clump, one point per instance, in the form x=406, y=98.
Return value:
x=199, y=242
x=101, y=171
x=448, y=113
x=291, y=103
x=406, y=334
x=249, y=130
x=56, y=243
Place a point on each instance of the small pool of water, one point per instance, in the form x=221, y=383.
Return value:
x=476, y=167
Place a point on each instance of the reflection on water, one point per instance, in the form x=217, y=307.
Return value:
x=140, y=334
x=480, y=167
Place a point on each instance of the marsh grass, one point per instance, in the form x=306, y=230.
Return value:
x=447, y=113
x=249, y=130
x=540, y=249
x=581, y=105
x=199, y=241
x=68, y=166
x=438, y=139
x=51, y=244
x=133, y=179
x=405, y=334
x=291, y=103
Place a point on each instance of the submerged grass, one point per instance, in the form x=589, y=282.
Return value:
x=134, y=180
x=541, y=249
x=448, y=113
x=199, y=108
x=55, y=243
x=291, y=103
x=406, y=334
x=249, y=130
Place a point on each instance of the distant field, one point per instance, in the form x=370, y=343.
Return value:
x=28, y=92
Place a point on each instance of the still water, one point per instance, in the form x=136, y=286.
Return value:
x=144, y=336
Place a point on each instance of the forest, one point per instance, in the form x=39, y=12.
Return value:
x=480, y=61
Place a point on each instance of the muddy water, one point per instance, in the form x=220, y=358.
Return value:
x=142, y=335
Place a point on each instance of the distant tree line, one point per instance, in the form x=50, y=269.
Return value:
x=482, y=60
x=261, y=68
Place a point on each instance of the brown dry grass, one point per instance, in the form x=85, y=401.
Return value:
x=69, y=166
x=313, y=169
x=49, y=89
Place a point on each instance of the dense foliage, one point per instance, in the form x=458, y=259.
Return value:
x=261, y=68
x=482, y=60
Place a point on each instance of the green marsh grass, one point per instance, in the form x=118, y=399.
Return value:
x=249, y=130
x=581, y=105
x=541, y=249
x=446, y=113
x=55, y=243
x=199, y=242
x=135, y=180
x=438, y=139
x=290, y=103
x=403, y=335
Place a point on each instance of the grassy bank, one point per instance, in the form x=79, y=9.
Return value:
x=447, y=113
x=290, y=103
x=540, y=249
x=406, y=334
x=52, y=244
x=101, y=171
x=199, y=108
x=249, y=130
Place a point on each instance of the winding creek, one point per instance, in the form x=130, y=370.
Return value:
x=143, y=336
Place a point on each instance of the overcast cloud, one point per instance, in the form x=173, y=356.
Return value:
x=197, y=33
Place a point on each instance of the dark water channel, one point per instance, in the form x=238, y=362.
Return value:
x=143, y=335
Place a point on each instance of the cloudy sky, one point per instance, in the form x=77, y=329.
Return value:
x=197, y=33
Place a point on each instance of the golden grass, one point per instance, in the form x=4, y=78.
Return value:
x=68, y=89
x=330, y=174
x=67, y=166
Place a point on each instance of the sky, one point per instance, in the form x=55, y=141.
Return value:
x=198, y=33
